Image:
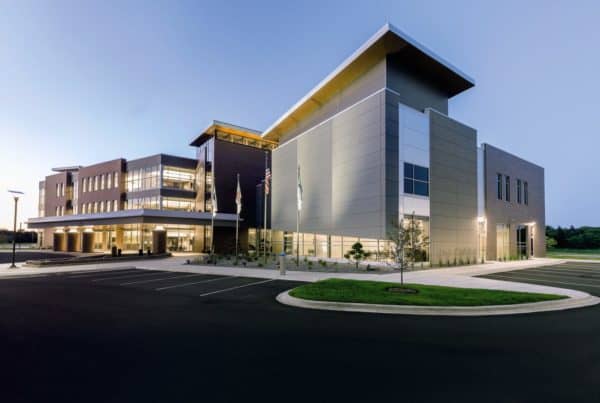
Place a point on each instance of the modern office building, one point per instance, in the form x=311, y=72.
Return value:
x=372, y=143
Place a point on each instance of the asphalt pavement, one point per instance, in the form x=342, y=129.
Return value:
x=129, y=335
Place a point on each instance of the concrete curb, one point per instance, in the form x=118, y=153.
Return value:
x=489, y=310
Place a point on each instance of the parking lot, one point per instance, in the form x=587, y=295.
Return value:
x=212, y=287
x=129, y=335
x=581, y=276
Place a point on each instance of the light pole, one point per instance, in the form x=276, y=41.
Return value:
x=16, y=195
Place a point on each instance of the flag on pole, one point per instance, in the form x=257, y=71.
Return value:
x=213, y=199
x=267, y=180
x=238, y=196
x=299, y=192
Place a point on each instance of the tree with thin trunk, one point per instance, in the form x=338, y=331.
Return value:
x=408, y=243
x=357, y=254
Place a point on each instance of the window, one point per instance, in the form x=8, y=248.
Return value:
x=499, y=186
x=57, y=211
x=102, y=206
x=95, y=207
x=83, y=208
x=109, y=181
x=96, y=182
x=57, y=191
x=62, y=189
x=507, y=196
x=102, y=182
x=519, y=191
x=142, y=179
x=526, y=193
x=416, y=179
x=115, y=205
x=84, y=185
x=116, y=181
x=90, y=180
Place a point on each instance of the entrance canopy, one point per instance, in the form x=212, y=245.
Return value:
x=141, y=216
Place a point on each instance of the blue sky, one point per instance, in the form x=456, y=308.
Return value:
x=83, y=81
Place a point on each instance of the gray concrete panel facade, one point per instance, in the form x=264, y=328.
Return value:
x=513, y=213
x=342, y=170
x=453, y=190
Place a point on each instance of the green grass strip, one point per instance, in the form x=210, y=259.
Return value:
x=376, y=292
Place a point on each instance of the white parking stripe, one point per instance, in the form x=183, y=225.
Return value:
x=130, y=275
x=160, y=279
x=195, y=282
x=516, y=279
x=100, y=272
x=237, y=287
x=564, y=273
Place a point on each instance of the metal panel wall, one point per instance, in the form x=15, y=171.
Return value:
x=453, y=190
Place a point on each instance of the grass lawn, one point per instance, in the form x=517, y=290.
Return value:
x=376, y=292
x=593, y=254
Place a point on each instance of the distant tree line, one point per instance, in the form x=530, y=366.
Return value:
x=6, y=236
x=573, y=238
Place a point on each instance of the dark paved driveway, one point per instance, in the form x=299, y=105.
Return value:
x=135, y=336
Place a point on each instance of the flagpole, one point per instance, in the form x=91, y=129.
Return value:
x=265, y=210
x=237, y=221
x=298, y=201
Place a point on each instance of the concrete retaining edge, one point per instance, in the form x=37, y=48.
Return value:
x=489, y=310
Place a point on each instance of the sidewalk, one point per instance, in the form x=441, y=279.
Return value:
x=460, y=276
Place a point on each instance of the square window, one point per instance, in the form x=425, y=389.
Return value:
x=421, y=188
x=421, y=173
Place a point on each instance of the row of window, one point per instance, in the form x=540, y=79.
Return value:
x=416, y=179
x=100, y=207
x=100, y=182
x=60, y=211
x=503, y=186
x=154, y=202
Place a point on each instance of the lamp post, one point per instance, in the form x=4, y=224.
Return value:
x=16, y=195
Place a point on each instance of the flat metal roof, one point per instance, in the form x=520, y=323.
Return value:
x=386, y=40
x=133, y=217
x=225, y=127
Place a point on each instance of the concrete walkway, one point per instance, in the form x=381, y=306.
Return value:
x=462, y=276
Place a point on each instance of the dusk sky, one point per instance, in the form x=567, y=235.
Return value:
x=83, y=82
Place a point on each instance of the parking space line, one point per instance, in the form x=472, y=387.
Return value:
x=237, y=287
x=162, y=278
x=569, y=267
x=563, y=273
x=516, y=279
x=91, y=274
x=195, y=282
x=129, y=275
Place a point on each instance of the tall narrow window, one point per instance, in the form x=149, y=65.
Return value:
x=102, y=182
x=84, y=185
x=116, y=181
x=507, y=196
x=526, y=193
x=499, y=186
x=109, y=181
x=519, y=191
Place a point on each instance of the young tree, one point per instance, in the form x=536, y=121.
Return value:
x=357, y=254
x=408, y=243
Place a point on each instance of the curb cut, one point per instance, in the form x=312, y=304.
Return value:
x=545, y=306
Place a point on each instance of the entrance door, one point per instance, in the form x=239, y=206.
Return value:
x=522, y=242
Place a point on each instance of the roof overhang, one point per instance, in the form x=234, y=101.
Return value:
x=141, y=216
x=228, y=128
x=388, y=40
